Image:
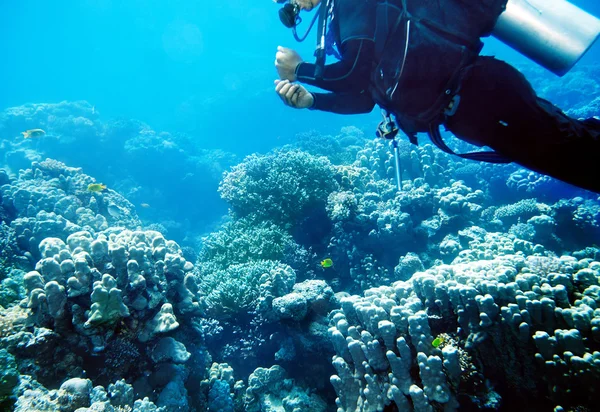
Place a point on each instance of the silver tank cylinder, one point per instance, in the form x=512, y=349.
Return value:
x=553, y=33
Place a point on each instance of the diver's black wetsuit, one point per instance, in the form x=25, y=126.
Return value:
x=498, y=107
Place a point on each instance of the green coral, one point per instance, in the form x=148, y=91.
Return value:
x=107, y=306
x=280, y=187
x=11, y=289
x=241, y=242
x=241, y=289
x=9, y=376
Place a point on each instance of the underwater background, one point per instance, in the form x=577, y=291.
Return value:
x=179, y=240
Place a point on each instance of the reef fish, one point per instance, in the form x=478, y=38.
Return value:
x=145, y=205
x=327, y=263
x=437, y=341
x=96, y=187
x=28, y=134
x=114, y=210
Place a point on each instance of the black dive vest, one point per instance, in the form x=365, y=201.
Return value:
x=421, y=48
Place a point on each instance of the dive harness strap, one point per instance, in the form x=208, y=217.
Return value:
x=320, y=52
x=487, y=156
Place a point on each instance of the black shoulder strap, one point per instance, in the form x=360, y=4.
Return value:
x=320, y=52
x=489, y=157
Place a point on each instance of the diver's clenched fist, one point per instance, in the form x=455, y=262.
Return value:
x=293, y=94
x=286, y=61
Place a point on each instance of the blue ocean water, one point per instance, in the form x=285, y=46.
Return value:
x=203, y=279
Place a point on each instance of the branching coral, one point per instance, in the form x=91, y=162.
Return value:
x=245, y=289
x=281, y=187
x=240, y=241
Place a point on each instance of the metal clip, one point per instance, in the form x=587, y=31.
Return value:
x=387, y=128
x=452, y=107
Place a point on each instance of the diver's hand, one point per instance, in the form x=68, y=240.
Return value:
x=293, y=94
x=286, y=61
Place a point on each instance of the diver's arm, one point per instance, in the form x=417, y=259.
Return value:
x=343, y=103
x=354, y=29
x=352, y=73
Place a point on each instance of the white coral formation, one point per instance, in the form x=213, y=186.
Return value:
x=78, y=394
x=547, y=304
x=107, y=306
x=164, y=322
x=119, y=273
x=169, y=350
x=52, y=200
x=271, y=390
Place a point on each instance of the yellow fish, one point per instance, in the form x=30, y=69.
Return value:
x=28, y=134
x=327, y=263
x=96, y=187
x=145, y=205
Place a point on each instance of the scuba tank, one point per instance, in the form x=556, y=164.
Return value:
x=552, y=33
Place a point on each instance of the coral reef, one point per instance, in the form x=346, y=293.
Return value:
x=115, y=296
x=52, y=200
x=472, y=286
x=270, y=390
x=281, y=187
x=241, y=241
x=522, y=316
x=123, y=154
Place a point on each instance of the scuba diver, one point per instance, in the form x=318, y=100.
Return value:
x=419, y=60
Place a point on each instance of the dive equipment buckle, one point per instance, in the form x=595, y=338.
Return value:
x=387, y=128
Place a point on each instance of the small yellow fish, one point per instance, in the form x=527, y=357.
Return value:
x=327, y=263
x=145, y=205
x=437, y=341
x=96, y=187
x=28, y=134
